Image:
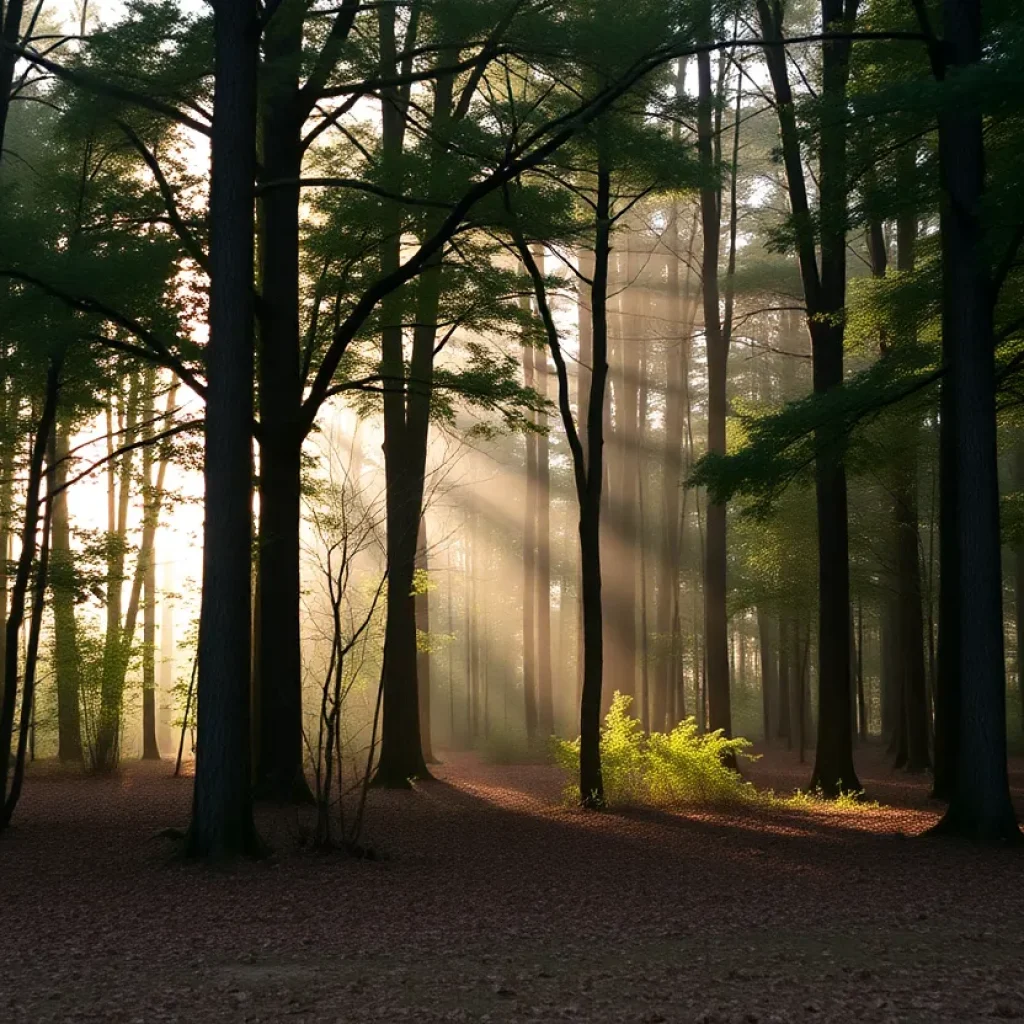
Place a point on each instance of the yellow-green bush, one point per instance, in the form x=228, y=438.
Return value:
x=684, y=766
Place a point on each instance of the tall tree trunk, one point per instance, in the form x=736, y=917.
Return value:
x=545, y=694
x=716, y=628
x=825, y=294
x=66, y=655
x=151, y=748
x=279, y=752
x=588, y=476
x=222, y=823
x=107, y=746
x=19, y=592
x=980, y=805
x=530, y=565
x=407, y=428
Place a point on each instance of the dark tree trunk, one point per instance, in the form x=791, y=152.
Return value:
x=67, y=664
x=19, y=593
x=980, y=805
x=222, y=823
x=588, y=473
x=11, y=30
x=279, y=753
x=716, y=630
x=824, y=287
x=591, y=780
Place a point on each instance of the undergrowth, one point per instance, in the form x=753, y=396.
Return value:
x=678, y=768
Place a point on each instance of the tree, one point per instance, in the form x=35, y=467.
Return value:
x=824, y=286
x=222, y=824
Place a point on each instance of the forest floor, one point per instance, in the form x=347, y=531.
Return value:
x=496, y=903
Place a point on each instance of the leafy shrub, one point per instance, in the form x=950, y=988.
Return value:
x=684, y=766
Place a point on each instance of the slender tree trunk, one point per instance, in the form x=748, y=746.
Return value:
x=530, y=566
x=716, y=628
x=545, y=694
x=862, y=711
x=222, y=824
x=150, y=746
x=783, y=729
x=106, y=751
x=67, y=663
x=19, y=593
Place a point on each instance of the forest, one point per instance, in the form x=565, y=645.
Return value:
x=531, y=447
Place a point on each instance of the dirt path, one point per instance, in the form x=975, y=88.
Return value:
x=497, y=904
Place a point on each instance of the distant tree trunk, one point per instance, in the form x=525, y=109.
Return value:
x=66, y=655
x=423, y=655
x=222, y=824
x=106, y=750
x=641, y=472
x=545, y=695
x=150, y=746
x=862, y=713
x=673, y=511
x=450, y=578
x=9, y=411
x=530, y=566
x=167, y=647
x=769, y=671
x=980, y=805
x=783, y=729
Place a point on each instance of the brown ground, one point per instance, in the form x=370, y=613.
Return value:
x=496, y=904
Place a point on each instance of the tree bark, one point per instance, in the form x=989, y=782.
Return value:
x=222, y=823
x=19, y=592
x=716, y=628
x=825, y=294
x=980, y=806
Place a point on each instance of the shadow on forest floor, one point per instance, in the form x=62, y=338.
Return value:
x=499, y=903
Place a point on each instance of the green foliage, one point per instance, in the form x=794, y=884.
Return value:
x=684, y=766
